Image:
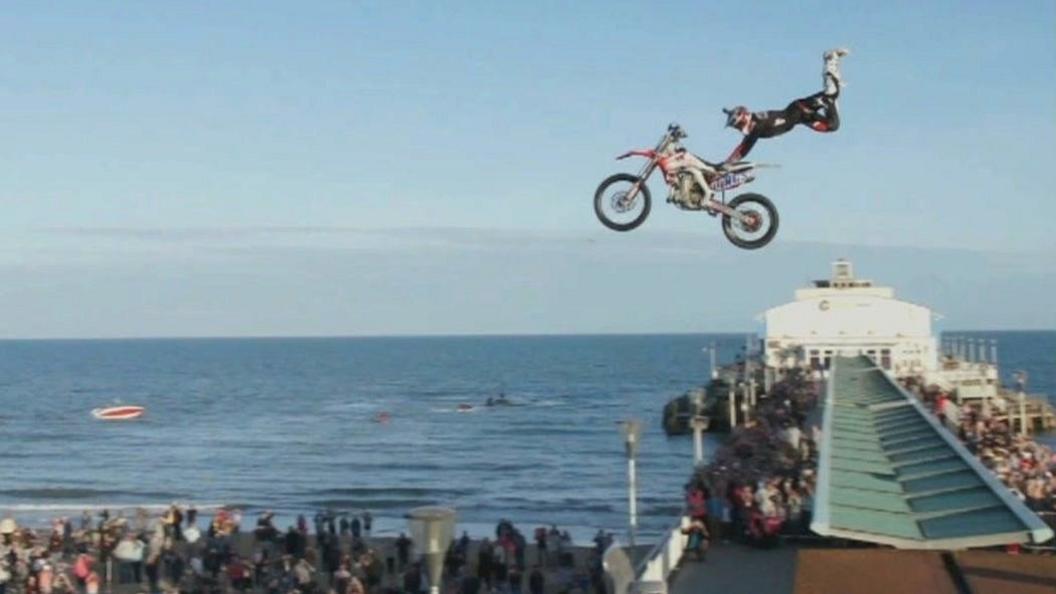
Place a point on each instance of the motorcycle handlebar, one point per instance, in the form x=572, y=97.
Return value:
x=676, y=131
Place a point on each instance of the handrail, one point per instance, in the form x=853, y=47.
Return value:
x=665, y=556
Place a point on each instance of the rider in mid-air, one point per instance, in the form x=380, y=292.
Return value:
x=818, y=111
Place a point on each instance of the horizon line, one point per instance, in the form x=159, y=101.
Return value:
x=449, y=335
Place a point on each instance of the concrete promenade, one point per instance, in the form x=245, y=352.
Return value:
x=734, y=568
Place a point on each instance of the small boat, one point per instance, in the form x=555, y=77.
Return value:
x=500, y=400
x=382, y=417
x=464, y=407
x=121, y=412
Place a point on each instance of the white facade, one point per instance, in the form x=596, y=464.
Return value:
x=846, y=315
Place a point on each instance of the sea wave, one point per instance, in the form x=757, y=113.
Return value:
x=389, y=491
x=113, y=507
x=368, y=503
x=84, y=493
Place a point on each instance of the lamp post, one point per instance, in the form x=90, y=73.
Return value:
x=699, y=423
x=711, y=349
x=632, y=435
x=432, y=528
x=732, y=400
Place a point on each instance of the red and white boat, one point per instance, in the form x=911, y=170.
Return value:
x=122, y=412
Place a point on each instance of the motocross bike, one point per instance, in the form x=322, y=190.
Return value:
x=622, y=201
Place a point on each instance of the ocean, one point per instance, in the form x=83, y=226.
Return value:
x=288, y=424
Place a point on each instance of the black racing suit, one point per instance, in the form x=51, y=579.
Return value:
x=818, y=111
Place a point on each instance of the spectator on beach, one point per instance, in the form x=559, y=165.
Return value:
x=175, y=520
x=515, y=579
x=540, y=545
x=536, y=581
x=356, y=527
x=599, y=541
x=368, y=523
x=265, y=530
x=403, y=550
x=412, y=579
x=129, y=555
x=485, y=562
x=304, y=574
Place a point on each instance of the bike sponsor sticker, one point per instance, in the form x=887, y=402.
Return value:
x=728, y=181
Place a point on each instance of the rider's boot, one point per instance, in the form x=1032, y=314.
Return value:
x=830, y=74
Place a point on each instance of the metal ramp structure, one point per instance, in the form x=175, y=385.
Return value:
x=889, y=473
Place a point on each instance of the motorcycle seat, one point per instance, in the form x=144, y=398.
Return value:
x=734, y=167
x=739, y=166
x=711, y=164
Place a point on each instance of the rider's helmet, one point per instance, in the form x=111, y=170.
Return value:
x=739, y=117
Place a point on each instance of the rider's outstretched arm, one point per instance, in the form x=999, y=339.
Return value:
x=742, y=149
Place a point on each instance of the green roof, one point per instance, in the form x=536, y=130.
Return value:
x=889, y=473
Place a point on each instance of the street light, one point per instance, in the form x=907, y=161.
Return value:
x=432, y=528
x=712, y=351
x=632, y=436
x=699, y=423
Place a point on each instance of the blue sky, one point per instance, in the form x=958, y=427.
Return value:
x=132, y=130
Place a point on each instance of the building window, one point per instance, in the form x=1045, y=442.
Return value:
x=885, y=358
x=815, y=359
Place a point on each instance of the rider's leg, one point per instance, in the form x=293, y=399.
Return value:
x=828, y=119
x=818, y=111
x=698, y=175
x=831, y=79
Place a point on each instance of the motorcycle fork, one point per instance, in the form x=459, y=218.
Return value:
x=643, y=176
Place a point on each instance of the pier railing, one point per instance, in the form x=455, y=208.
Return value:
x=654, y=570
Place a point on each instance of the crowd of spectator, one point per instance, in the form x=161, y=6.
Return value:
x=169, y=554
x=760, y=483
x=1024, y=465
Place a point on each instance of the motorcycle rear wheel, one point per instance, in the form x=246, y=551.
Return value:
x=605, y=201
x=761, y=231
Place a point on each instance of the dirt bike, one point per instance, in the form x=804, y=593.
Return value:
x=622, y=201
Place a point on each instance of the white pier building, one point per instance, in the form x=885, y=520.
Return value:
x=845, y=315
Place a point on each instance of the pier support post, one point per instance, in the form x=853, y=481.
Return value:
x=1023, y=428
x=1021, y=383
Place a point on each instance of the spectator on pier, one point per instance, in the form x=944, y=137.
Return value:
x=697, y=501
x=697, y=538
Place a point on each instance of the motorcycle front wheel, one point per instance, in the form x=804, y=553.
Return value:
x=613, y=206
x=760, y=226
